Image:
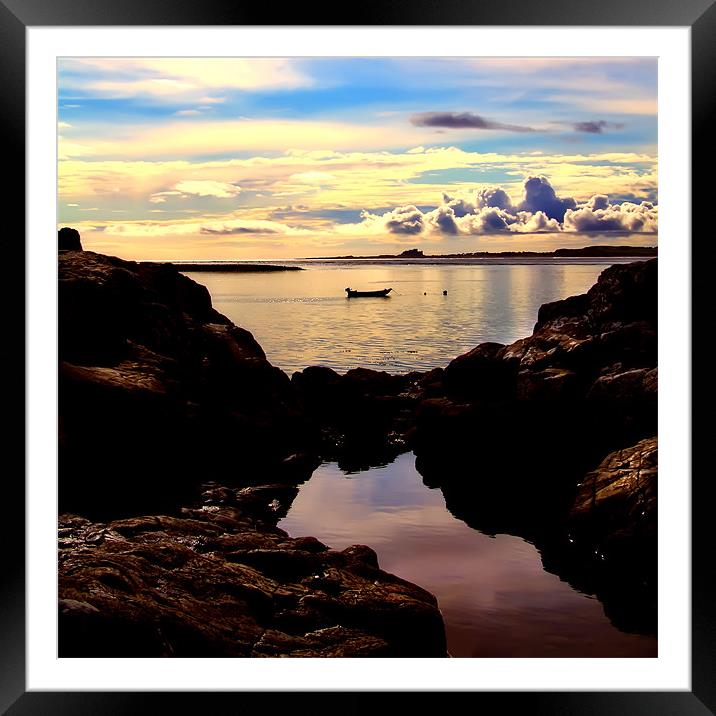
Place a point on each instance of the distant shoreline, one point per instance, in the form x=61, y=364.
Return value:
x=587, y=251
x=417, y=254
x=229, y=266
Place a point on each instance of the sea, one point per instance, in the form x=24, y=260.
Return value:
x=304, y=318
x=496, y=598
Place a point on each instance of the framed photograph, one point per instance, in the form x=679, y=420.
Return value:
x=345, y=358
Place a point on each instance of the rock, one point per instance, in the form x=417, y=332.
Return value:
x=214, y=585
x=68, y=239
x=481, y=373
x=617, y=500
x=610, y=548
x=364, y=415
x=548, y=384
x=583, y=383
x=159, y=392
x=517, y=427
x=624, y=293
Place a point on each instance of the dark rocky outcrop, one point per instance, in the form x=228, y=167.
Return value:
x=159, y=392
x=162, y=397
x=616, y=502
x=584, y=382
x=610, y=548
x=214, y=582
x=365, y=415
x=517, y=427
x=68, y=240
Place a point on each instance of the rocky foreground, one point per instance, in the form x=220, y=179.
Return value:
x=551, y=438
x=159, y=396
x=215, y=582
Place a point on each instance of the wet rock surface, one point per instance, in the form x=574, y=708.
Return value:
x=216, y=582
x=610, y=548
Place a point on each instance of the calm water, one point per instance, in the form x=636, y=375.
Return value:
x=493, y=592
x=303, y=318
x=494, y=595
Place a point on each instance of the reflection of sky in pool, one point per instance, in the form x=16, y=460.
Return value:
x=493, y=592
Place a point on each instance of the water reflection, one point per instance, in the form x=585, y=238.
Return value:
x=494, y=594
x=303, y=318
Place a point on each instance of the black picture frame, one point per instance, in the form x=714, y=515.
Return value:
x=17, y=15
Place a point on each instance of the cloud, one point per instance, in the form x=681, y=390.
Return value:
x=161, y=196
x=204, y=137
x=463, y=120
x=233, y=230
x=602, y=216
x=460, y=206
x=596, y=126
x=493, y=212
x=444, y=220
x=312, y=177
x=360, y=180
x=493, y=197
x=206, y=187
x=221, y=190
x=206, y=227
x=404, y=220
x=167, y=78
x=540, y=196
x=534, y=223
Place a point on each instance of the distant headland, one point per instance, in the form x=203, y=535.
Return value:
x=231, y=266
x=588, y=251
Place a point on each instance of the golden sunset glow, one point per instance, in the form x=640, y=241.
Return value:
x=251, y=158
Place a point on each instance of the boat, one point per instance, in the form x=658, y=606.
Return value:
x=352, y=293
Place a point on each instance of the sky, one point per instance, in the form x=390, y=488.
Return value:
x=247, y=158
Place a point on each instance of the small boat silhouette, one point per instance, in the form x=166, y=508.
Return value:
x=352, y=293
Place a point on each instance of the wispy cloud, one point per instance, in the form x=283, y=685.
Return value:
x=463, y=120
x=205, y=187
x=171, y=78
x=596, y=126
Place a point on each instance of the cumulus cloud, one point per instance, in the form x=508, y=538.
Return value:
x=540, y=196
x=404, y=220
x=459, y=205
x=463, y=120
x=493, y=197
x=444, y=220
x=493, y=211
x=602, y=216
